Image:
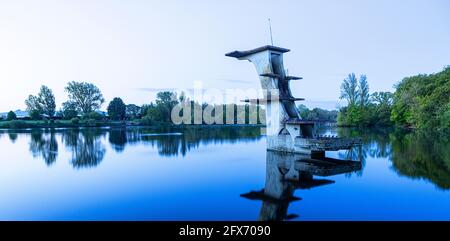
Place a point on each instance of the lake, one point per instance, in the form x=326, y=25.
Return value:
x=216, y=173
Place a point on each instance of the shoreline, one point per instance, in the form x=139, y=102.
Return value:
x=30, y=124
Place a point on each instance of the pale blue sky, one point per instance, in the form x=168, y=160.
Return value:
x=128, y=47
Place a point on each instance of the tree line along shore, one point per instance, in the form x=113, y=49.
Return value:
x=419, y=102
x=82, y=109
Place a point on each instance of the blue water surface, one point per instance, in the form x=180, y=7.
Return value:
x=201, y=173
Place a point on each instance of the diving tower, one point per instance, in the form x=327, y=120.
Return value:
x=286, y=130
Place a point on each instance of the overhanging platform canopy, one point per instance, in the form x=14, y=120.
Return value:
x=240, y=54
x=276, y=76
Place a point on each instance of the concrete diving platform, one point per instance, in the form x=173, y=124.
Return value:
x=285, y=129
x=327, y=143
x=276, y=76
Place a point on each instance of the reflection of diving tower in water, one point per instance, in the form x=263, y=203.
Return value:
x=286, y=131
x=287, y=172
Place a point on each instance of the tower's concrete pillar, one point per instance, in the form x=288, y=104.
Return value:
x=286, y=131
x=280, y=106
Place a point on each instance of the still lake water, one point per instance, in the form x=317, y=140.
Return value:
x=201, y=173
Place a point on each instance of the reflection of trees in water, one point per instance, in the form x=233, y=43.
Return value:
x=357, y=153
x=422, y=155
x=12, y=136
x=413, y=154
x=194, y=137
x=118, y=139
x=45, y=145
x=88, y=150
x=85, y=145
x=191, y=137
x=375, y=143
x=168, y=145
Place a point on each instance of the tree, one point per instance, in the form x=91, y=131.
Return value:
x=165, y=102
x=166, y=97
x=34, y=115
x=161, y=111
x=144, y=109
x=350, y=116
x=69, y=110
x=382, y=102
x=317, y=114
x=382, y=98
x=116, y=109
x=11, y=116
x=445, y=118
x=154, y=114
x=43, y=103
x=47, y=101
x=366, y=117
x=359, y=110
x=33, y=105
x=422, y=101
x=132, y=111
x=85, y=96
x=363, y=91
x=304, y=111
x=349, y=89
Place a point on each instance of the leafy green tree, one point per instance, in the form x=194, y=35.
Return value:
x=351, y=114
x=116, y=109
x=132, y=111
x=349, y=89
x=43, y=103
x=86, y=96
x=360, y=110
x=382, y=98
x=303, y=111
x=422, y=101
x=33, y=104
x=154, y=114
x=144, y=109
x=35, y=115
x=47, y=101
x=445, y=118
x=317, y=114
x=165, y=101
x=11, y=116
x=69, y=110
x=366, y=117
x=363, y=91
x=382, y=107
